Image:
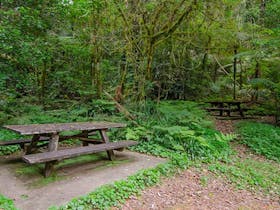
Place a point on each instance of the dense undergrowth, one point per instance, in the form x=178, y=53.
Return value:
x=179, y=128
x=262, y=138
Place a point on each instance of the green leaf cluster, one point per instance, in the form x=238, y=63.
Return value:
x=6, y=204
x=181, y=128
x=262, y=138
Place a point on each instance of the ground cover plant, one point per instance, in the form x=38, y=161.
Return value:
x=257, y=176
x=6, y=204
x=264, y=139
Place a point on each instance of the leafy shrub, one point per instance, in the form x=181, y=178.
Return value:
x=181, y=127
x=262, y=138
x=102, y=106
x=178, y=139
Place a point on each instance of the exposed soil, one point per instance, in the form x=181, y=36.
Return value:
x=225, y=126
x=200, y=189
x=195, y=189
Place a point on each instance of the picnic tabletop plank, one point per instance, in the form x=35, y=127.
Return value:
x=32, y=129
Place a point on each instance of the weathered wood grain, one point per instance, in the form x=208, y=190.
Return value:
x=58, y=127
x=74, y=152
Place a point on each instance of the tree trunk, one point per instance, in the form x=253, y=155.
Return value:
x=262, y=11
x=149, y=62
x=234, y=74
x=241, y=75
x=98, y=80
x=257, y=75
x=43, y=82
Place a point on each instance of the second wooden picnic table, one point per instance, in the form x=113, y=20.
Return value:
x=227, y=107
x=52, y=134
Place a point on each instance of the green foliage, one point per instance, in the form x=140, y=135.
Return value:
x=6, y=204
x=181, y=128
x=7, y=135
x=249, y=173
x=262, y=138
x=102, y=106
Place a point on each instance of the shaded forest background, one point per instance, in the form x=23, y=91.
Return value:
x=58, y=51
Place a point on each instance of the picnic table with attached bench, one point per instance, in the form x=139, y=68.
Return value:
x=51, y=135
x=227, y=107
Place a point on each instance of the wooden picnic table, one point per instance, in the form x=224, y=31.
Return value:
x=227, y=107
x=51, y=133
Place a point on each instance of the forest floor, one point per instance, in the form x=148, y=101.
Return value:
x=195, y=188
x=199, y=188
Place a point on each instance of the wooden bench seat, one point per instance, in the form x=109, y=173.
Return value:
x=227, y=110
x=51, y=157
x=20, y=142
x=222, y=109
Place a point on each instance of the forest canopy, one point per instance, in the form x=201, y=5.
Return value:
x=138, y=50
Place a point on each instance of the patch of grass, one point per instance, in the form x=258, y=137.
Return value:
x=6, y=204
x=204, y=180
x=262, y=138
x=45, y=181
x=250, y=174
x=82, y=159
x=29, y=170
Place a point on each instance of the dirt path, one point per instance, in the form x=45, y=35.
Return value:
x=73, y=180
x=195, y=189
x=200, y=189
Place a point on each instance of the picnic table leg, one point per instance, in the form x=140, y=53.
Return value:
x=53, y=145
x=33, y=144
x=240, y=110
x=228, y=112
x=53, y=142
x=49, y=166
x=85, y=134
x=105, y=139
x=221, y=105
